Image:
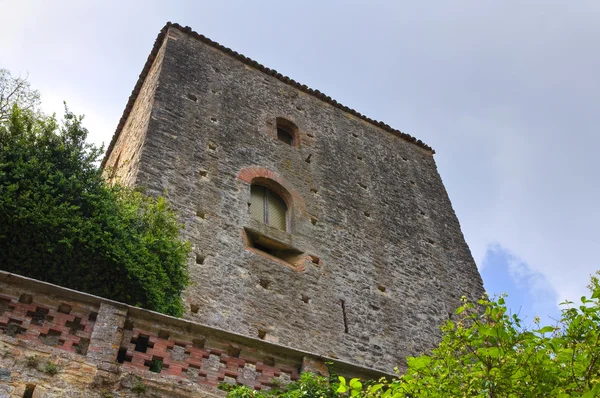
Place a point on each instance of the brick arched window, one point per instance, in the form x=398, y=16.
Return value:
x=287, y=132
x=268, y=207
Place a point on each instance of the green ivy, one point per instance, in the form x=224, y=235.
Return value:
x=61, y=222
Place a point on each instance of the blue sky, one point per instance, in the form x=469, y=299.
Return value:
x=507, y=92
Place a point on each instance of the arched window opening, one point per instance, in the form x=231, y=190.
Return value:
x=268, y=207
x=285, y=136
x=287, y=132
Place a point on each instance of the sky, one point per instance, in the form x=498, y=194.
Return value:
x=506, y=92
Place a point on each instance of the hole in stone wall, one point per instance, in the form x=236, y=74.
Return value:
x=64, y=308
x=4, y=305
x=367, y=214
x=194, y=308
x=264, y=283
x=82, y=347
x=200, y=214
x=213, y=119
x=142, y=343
x=198, y=343
x=163, y=334
x=381, y=288
x=200, y=259
x=313, y=220
x=29, y=389
x=431, y=241
x=422, y=212
x=122, y=355
x=354, y=135
x=359, y=157
x=269, y=361
x=212, y=146
x=12, y=328
x=203, y=173
x=74, y=325
x=262, y=334
x=412, y=182
x=38, y=317
x=363, y=186
x=307, y=160
x=305, y=298
x=26, y=298
x=310, y=135
x=315, y=260
x=313, y=190
x=374, y=307
x=155, y=365
x=343, y=303
x=234, y=351
x=52, y=338
x=192, y=97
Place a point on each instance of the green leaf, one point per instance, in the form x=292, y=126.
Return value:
x=545, y=329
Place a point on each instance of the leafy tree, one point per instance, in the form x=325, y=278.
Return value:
x=61, y=223
x=487, y=352
x=16, y=91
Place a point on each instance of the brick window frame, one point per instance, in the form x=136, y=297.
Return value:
x=270, y=179
x=282, y=127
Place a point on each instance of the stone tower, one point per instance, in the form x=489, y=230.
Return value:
x=313, y=226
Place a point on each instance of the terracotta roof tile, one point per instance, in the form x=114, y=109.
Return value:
x=303, y=87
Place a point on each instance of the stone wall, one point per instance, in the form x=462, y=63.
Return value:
x=123, y=165
x=59, y=342
x=379, y=260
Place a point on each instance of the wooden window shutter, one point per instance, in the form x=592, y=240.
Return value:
x=267, y=207
x=276, y=211
x=257, y=203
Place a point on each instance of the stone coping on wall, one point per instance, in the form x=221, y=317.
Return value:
x=111, y=335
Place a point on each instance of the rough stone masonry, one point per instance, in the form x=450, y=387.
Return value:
x=372, y=259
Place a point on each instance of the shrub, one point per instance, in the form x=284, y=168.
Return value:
x=51, y=368
x=60, y=221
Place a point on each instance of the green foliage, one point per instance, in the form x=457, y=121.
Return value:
x=487, y=352
x=61, y=223
x=32, y=361
x=51, y=368
x=139, y=387
x=156, y=365
x=309, y=385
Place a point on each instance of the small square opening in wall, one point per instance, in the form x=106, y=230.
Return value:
x=274, y=249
